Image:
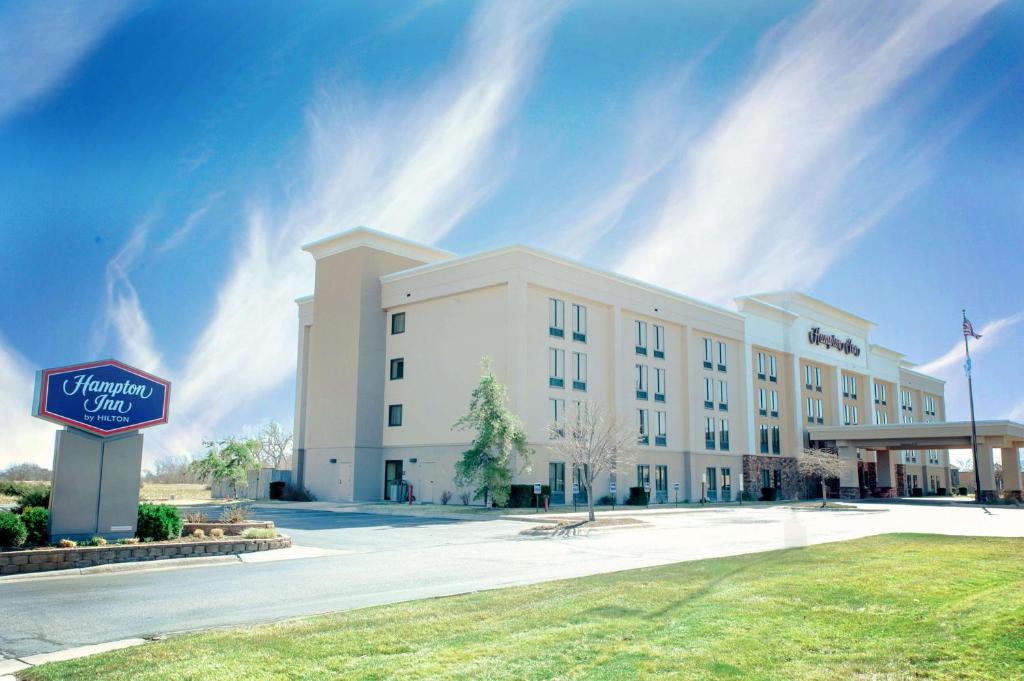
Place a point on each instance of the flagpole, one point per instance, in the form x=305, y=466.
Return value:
x=974, y=429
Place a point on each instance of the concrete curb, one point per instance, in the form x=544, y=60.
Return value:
x=11, y=666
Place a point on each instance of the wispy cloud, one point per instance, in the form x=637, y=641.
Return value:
x=189, y=224
x=24, y=439
x=411, y=163
x=41, y=43
x=760, y=188
x=991, y=335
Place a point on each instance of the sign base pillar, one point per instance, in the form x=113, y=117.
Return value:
x=95, y=486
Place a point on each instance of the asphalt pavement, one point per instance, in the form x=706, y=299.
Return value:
x=389, y=558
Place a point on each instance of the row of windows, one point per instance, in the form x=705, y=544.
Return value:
x=660, y=427
x=640, y=333
x=906, y=400
x=642, y=385
x=722, y=433
x=775, y=435
x=881, y=417
x=850, y=386
x=815, y=410
x=878, y=392
x=556, y=320
x=723, y=353
x=556, y=369
x=929, y=405
x=812, y=378
x=709, y=394
x=766, y=399
x=771, y=364
x=851, y=416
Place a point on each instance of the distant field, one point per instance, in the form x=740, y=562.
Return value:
x=175, y=491
x=6, y=498
x=889, y=607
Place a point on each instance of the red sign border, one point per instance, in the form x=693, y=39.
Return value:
x=45, y=374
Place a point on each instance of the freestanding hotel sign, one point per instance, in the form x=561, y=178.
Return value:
x=97, y=458
x=104, y=398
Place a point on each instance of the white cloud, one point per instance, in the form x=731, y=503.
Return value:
x=41, y=43
x=413, y=165
x=189, y=224
x=24, y=438
x=764, y=182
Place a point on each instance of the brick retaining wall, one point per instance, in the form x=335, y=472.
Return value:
x=43, y=560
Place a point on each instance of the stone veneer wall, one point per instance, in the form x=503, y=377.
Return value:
x=753, y=465
x=901, y=480
x=43, y=560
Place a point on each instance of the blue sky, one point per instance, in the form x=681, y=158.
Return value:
x=160, y=163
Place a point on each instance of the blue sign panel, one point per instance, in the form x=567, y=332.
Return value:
x=104, y=398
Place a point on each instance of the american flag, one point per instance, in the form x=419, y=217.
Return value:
x=969, y=329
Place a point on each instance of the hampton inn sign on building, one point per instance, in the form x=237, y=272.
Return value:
x=390, y=342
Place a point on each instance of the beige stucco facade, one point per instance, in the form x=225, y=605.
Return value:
x=390, y=345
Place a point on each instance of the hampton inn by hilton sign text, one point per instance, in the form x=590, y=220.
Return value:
x=830, y=340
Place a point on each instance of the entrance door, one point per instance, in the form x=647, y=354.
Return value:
x=578, y=478
x=427, y=485
x=661, y=484
x=392, y=478
x=556, y=481
x=726, y=484
x=712, y=491
x=777, y=483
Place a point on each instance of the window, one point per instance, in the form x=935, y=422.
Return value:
x=807, y=376
x=881, y=417
x=556, y=368
x=643, y=476
x=846, y=414
x=723, y=396
x=929, y=405
x=661, y=481
x=721, y=356
x=660, y=429
x=819, y=406
x=659, y=385
x=810, y=410
x=579, y=378
x=878, y=391
x=764, y=439
x=659, y=341
x=397, y=323
x=641, y=337
x=846, y=385
x=775, y=404
x=709, y=432
x=556, y=477
x=556, y=410
x=395, y=415
x=760, y=366
x=817, y=379
x=556, y=317
x=776, y=440
x=855, y=415
x=397, y=368
x=773, y=371
x=762, y=402
x=853, y=387
x=579, y=323
x=642, y=427
x=723, y=435
x=707, y=353
x=709, y=393
x=641, y=381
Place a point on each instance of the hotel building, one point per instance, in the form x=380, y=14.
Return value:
x=390, y=345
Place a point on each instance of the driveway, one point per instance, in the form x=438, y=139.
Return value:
x=393, y=558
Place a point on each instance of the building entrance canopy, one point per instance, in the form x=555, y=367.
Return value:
x=1007, y=436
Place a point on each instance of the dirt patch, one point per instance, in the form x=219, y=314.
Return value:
x=568, y=528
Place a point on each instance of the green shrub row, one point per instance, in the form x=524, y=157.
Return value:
x=521, y=496
x=158, y=522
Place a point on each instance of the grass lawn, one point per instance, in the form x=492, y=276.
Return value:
x=179, y=491
x=891, y=607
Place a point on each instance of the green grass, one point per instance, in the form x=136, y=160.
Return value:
x=890, y=607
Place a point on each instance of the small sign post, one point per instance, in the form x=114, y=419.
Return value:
x=703, y=486
x=675, y=486
x=647, y=493
x=536, y=495
x=613, y=490
x=575, y=491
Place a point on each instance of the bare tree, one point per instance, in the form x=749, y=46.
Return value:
x=595, y=440
x=275, y=448
x=171, y=469
x=819, y=463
